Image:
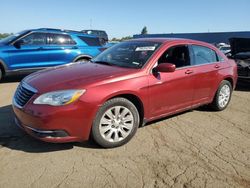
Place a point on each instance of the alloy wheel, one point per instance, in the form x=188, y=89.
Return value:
x=224, y=96
x=116, y=124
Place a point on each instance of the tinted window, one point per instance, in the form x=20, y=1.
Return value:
x=61, y=39
x=203, y=55
x=178, y=55
x=91, y=41
x=35, y=39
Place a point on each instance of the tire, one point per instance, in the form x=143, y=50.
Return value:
x=115, y=123
x=102, y=41
x=222, y=96
x=1, y=74
x=82, y=60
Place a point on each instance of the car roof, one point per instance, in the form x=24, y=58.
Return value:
x=62, y=31
x=93, y=30
x=167, y=40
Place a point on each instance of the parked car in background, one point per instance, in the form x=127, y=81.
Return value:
x=98, y=33
x=35, y=49
x=125, y=86
x=226, y=49
x=241, y=54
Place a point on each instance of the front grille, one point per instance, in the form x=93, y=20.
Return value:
x=23, y=94
x=243, y=68
x=243, y=71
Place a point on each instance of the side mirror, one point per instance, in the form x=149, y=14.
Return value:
x=165, y=67
x=19, y=43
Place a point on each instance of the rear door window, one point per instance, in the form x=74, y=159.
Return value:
x=91, y=41
x=61, y=39
x=203, y=55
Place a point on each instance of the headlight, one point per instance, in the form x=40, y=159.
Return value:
x=59, y=98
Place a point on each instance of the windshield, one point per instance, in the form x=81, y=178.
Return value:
x=12, y=37
x=131, y=54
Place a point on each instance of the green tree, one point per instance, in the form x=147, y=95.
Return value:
x=3, y=35
x=122, y=39
x=115, y=39
x=144, y=31
x=126, y=38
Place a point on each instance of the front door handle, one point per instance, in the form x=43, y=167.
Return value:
x=74, y=47
x=189, y=72
x=217, y=66
x=40, y=48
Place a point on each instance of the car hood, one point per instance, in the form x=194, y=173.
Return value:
x=74, y=76
x=239, y=45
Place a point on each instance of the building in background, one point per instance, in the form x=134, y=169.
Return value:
x=210, y=37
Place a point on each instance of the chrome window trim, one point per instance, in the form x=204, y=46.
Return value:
x=198, y=65
x=21, y=37
x=29, y=33
x=190, y=66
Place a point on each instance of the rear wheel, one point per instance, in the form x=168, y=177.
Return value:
x=222, y=96
x=1, y=74
x=82, y=60
x=116, y=123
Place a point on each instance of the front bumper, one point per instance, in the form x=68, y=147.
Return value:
x=243, y=70
x=55, y=136
x=71, y=123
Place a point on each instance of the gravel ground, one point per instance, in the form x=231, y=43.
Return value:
x=198, y=148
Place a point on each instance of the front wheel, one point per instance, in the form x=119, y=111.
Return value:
x=1, y=74
x=115, y=123
x=222, y=96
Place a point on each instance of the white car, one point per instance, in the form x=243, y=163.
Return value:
x=225, y=49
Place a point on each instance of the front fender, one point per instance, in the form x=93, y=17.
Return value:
x=3, y=65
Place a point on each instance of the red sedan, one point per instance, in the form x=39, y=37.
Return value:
x=126, y=86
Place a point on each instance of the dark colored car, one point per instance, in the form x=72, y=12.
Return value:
x=35, y=49
x=127, y=85
x=240, y=52
x=98, y=33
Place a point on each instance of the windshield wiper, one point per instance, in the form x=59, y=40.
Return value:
x=103, y=62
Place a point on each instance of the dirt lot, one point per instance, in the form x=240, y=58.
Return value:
x=198, y=148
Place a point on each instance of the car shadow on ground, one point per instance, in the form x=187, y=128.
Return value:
x=242, y=86
x=14, y=138
x=10, y=79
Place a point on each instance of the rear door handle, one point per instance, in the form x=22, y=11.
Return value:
x=217, y=66
x=74, y=47
x=40, y=48
x=189, y=72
